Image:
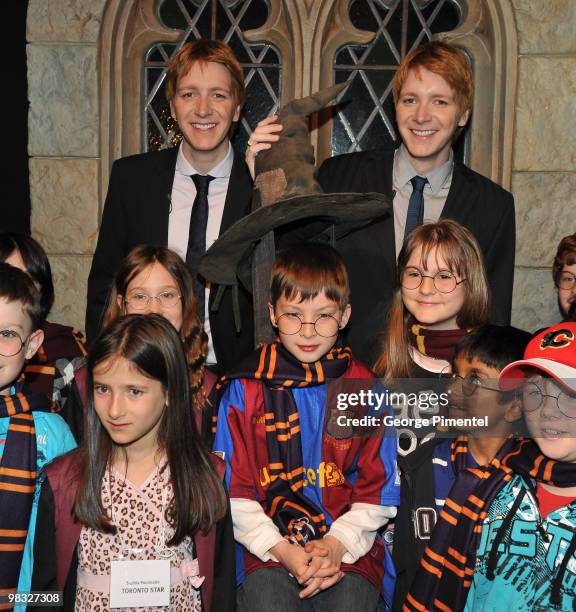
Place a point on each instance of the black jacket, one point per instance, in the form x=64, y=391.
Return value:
x=474, y=201
x=136, y=212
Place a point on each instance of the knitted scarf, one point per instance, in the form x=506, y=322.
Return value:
x=446, y=569
x=60, y=343
x=296, y=516
x=17, y=480
x=436, y=343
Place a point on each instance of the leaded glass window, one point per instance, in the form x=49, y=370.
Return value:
x=366, y=110
x=217, y=19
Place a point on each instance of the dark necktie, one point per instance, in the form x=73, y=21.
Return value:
x=415, y=214
x=197, y=237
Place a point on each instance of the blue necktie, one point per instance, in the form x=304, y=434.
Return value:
x=415, y=214
x=197, y=237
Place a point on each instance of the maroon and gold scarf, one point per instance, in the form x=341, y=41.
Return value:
x=436, y=343
x=447, y=567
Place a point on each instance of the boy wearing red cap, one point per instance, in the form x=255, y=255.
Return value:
x=507, y=535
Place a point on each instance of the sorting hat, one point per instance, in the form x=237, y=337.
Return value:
x=288, y=207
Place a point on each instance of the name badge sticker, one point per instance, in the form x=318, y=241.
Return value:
x=140, y=584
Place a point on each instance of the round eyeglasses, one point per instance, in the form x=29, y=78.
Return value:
x=444, y=280
x=470, y=384
x=533, y=399
x=566, y=281
x=325, y=325
x=139, y=301
x=10, y=343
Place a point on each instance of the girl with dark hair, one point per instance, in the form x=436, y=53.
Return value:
x=62, y=352
x=143, y=488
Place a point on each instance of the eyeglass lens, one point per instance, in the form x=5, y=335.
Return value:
x=533, y=398
x=444, y=280
x=325, y=325
x=10, y=343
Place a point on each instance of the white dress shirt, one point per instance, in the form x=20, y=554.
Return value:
x=183, y=194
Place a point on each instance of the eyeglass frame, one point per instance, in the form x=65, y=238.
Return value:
x=455, y=376
x=423, y=276
x=542, y=402
x=308, y=323
x=154, y=297
x=572, y=284
x=22, y=342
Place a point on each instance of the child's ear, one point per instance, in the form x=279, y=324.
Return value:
x=513, y=410
x=345, y=316
x=272, y=315
x=33, y=343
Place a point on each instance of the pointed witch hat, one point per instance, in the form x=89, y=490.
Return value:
x=288, y=207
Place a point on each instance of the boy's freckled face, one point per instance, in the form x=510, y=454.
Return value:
x=554, y=432
x=307, y=345
x=14, y=318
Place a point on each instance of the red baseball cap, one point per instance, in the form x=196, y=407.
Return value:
x=552, y=351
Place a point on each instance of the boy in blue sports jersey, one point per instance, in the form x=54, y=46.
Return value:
x=30, y=434
x=308, y=493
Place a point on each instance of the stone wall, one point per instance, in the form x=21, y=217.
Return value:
x=65, y=151
x=544, y=168
x=63, y=142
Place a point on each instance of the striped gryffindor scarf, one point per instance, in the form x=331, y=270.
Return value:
x=17, y=481
x=447, y=567
x=296, y=516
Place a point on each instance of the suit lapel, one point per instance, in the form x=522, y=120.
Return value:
x=460, y=199
x=379, y=176
x=161, y=196
x=239, y=194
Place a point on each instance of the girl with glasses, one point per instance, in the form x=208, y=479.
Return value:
x=442, y=292
x=153, y=279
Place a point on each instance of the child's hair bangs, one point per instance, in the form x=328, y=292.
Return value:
x=306, y=271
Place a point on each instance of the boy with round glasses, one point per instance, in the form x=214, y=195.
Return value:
x=30, y=435
x=308, y=496
x=428, y=474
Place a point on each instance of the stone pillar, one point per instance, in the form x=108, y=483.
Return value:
x=544, y=166
x=63, y=143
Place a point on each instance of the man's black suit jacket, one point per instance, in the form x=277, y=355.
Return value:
x=136, y=212
x=474, y=201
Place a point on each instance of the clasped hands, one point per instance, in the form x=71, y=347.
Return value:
x=316, y=566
